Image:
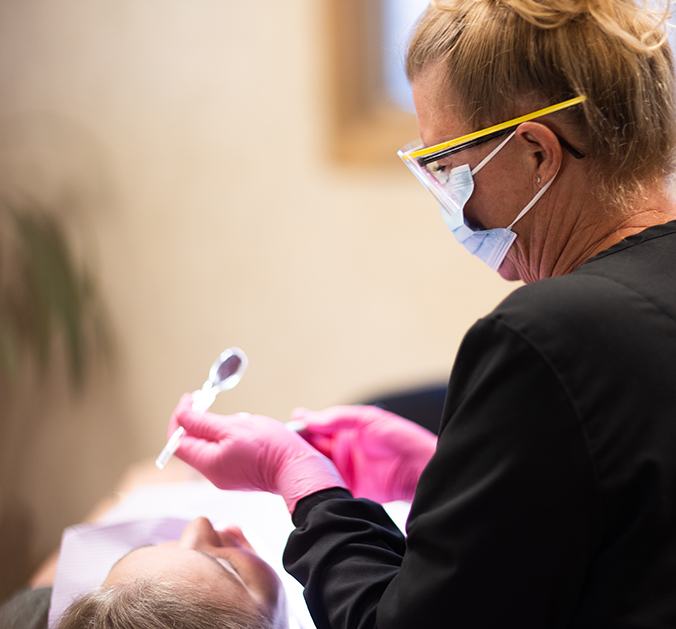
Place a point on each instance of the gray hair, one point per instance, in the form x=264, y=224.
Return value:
x=143, y=604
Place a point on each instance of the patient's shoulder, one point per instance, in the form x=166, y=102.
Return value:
x=27, y=609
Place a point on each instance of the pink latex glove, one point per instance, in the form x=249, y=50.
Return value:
x=252, y=452
x=379, y=454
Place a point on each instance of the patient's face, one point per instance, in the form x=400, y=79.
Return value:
x=222, y=562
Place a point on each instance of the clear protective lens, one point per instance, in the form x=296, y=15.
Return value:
x=447, y=183
x=434, y=175
x=438, y=170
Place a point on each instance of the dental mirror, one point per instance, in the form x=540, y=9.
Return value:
x=227, y=370
x=225, y=374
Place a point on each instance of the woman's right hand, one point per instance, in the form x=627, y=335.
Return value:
x=251, y=452
x=379, y=454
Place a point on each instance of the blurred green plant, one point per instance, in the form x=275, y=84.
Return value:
x=45, y=295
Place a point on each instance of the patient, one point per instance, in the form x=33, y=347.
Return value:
x=203, y=578
x=206, y=579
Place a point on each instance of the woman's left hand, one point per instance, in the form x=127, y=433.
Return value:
x=252, y=452
x=379, y=454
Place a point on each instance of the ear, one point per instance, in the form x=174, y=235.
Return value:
x=543, y=151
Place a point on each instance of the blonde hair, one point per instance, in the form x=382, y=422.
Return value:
x=500, y=56
x=144, y=604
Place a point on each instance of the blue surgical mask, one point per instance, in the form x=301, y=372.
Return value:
x=489, y=245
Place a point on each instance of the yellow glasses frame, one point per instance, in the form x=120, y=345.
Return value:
x=432, y=153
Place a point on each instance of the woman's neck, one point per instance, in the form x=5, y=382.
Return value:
x=565, y=241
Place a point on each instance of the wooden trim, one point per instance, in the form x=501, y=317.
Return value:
x=364, y=127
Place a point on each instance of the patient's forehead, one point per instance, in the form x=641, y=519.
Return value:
x=172, y=564
x=248, y=584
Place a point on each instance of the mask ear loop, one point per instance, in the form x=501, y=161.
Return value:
x=534, y=200
x=492, y=154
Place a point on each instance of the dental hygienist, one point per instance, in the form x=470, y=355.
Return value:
x=549, y=499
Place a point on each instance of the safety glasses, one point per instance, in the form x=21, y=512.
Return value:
x=427, y=162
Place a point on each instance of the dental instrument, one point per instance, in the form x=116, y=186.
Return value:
x=225, y=374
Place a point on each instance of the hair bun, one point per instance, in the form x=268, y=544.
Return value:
x=641, y=28
x=555, y=13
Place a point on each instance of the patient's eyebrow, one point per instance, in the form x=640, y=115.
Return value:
x=218, y=563
x=232, y=572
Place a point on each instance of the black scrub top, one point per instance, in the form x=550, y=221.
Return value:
x=551, y=498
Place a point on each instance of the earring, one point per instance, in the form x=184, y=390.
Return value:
x=538, y=180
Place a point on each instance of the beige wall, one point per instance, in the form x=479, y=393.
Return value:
x=194, y=134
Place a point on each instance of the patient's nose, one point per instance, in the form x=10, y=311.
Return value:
x=233, y=536
x=199, y=534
